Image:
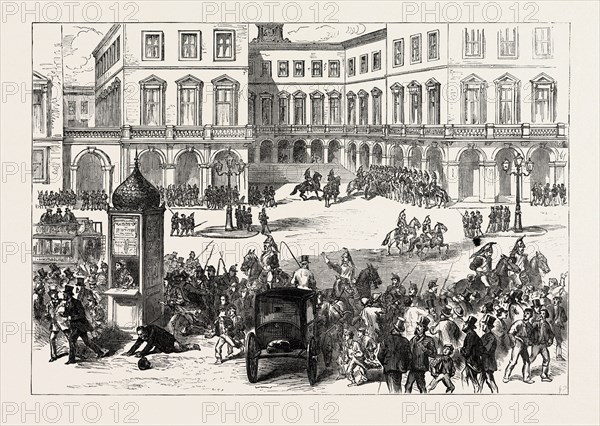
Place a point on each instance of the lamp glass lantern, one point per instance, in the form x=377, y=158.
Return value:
x=506, y=165
x=529, y=165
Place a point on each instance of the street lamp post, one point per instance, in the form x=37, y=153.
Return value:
x=231, y=167
x=519, y=173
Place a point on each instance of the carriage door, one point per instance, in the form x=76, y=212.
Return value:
x=310, y=321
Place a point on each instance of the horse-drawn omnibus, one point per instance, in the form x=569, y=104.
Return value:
x=67, y=244
x=285, y=327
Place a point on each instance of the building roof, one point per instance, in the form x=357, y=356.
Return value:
x=136, y=193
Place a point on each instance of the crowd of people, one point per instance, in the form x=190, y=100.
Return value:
x=499, y=219
x=182, y=225
x=472, y=224
x=217, y=198
x=49, y=217
x=60, y=198
x=85, y=200
x=72, y=305
x=265, y=198
x=545, y=195
x=409, y=186
x=185, y=195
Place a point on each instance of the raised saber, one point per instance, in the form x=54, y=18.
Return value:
x=404, y=279
x=447, y=276
x=290, y=250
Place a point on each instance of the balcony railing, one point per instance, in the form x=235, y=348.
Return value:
x=427, y=131
x=160, y=133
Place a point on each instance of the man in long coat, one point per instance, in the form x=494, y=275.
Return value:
x=395, y=357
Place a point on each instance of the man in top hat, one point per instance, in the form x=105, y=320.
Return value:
x=422, y=348
x=521, y=332
x=394, y=355
x=345, y=268
x=69, y=216
x=445, y=331
x=489, y=344
x=471, y=350
x=543, y=337
x=82, y=293
x=304, y=277
x=79, y=326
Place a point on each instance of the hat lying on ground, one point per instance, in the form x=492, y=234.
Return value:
x=144, y=364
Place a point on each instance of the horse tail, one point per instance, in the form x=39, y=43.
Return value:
x=295, y=190
x=387, y=238
x=350, y=187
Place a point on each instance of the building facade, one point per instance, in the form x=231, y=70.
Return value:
x=172, y=94
x=79, y=106
x=456, y=99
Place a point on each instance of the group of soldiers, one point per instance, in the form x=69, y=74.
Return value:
x=499, y=219
x=48, y=217
x=409, y=186
x=94, y=200
x=544, y=195
x=184, y=195
x=217, y=198
x=265, y=198
x=72, y=305
x=60, y=198
x=182, y=225
x=243, y=218
x=472, y=224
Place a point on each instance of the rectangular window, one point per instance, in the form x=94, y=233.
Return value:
x=507, y=43
x=283, y=111
x=334, y=111
x=267, y=110
x=351, y=67
x=283, y=69
x=377, y=110
x=298, y=68
x=474, y=43
x=39, y=120
x=364, y=64
x=415, y=105
x=415, y=49
x=71, y=105
x=187, y=107
x=542, y=42
x=506, y=106
x=224, y=106
x=39, y=166
x=84, y=107
x=334, y=68
x=152, y=107
x=266, y=69
x=317, y=110
x=433, y=45
x=377, y=60
x=299, y=115
x=433, y=104
x=363, y=115
x=541, y=105
x=224, y=45
x=189, y=45
x=317, y=68
x=352, y=111
x=472, y=105
x=153, y=45
x=399, y=52
x=398, y=105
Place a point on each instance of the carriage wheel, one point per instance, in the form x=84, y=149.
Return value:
x=311, y=361
x=252, y=353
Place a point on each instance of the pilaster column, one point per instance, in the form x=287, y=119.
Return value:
x=453, y=178
x=74, y=168
x=487, y=189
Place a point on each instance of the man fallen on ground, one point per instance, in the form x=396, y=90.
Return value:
x=157, y=340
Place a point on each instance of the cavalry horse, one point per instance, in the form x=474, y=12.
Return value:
x=368, y=279
x=535, y=268
x=401, y=235
x=437, y=240
x=313, y=184
x=258, y=277
x=356, y=184
x=331, y=191
x=438, y=195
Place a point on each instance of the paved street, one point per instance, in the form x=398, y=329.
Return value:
x=309, y=228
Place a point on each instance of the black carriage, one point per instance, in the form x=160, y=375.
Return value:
x=285, y=327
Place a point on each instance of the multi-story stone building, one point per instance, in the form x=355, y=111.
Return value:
x=458, y=99
x=79, y=106
x=172, y=94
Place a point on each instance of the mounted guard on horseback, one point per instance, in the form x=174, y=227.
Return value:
x=310, y=184
x=332, y=189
